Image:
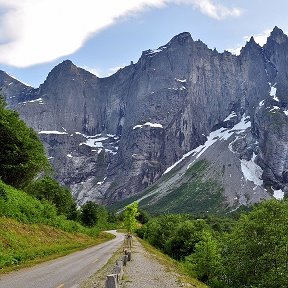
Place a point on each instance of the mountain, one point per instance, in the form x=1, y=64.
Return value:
x=113, y=138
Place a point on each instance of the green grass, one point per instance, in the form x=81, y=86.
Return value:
x=24, y=244
x=195, y=195
x=32, y=232
x=25, y=208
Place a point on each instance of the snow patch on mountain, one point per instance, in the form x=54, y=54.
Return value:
x=53, y=132
x=153, y=125
x=273, y=91
x=181, y=80
x=230, y=116
x=107, y=142
x=220, y=134
x=278, y=194
x=251, y=171
x=39, y=101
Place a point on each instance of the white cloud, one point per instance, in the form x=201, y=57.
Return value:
x=43, y=30
x=210, y=9
x=38, y=31
x=260, y=38
x=235, y=51
x=113, y=70
x=102, y=73
x=94, y=70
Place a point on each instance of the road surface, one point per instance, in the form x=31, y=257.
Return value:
x=65, y=272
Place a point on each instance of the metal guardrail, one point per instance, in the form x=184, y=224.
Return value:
x=113, y=280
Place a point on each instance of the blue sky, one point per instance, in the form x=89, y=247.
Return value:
x=101, y=36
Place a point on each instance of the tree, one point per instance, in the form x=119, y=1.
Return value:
x=184, y=238
x=49, y=189
x=143, y=216
x=159, y=230
x=205, y=261
x=255, y=254
x=22, y=155
x=130, y=214
x=92, y=214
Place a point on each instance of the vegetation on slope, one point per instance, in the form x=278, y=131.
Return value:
x=42, y=219
x=28, y=244
x=25, y=208
x=223, y=252
x=32, y=230
x=195, y=195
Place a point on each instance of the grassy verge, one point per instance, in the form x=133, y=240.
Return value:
x=173, y=265
x=23, y=245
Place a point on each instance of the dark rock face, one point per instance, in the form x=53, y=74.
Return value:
x=148, y=114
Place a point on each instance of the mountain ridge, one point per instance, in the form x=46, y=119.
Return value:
x=184, y=90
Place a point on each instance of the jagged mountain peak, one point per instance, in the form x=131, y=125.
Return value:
x=150, y=115
x=7, y=79
x=66, y=66
x=67, y=71
x=251, y=46
x=277, y=35
x=180, y=39
x=252, y=43
x=184, y=36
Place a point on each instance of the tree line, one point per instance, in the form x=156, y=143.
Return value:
x=246, y=251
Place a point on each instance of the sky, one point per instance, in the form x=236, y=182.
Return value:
x=103, y=36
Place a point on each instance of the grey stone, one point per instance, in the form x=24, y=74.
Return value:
x=184, y=86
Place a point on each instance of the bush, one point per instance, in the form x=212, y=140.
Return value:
x=184, y=238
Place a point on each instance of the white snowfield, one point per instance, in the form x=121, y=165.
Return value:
x=97, y=142
x=154, y=125
x=251, y=171
x=278, y=194
x=53, y=132
x=181, y=80
x=39, y=101
x=153, y=52
x=273, y=91
x=220, y=134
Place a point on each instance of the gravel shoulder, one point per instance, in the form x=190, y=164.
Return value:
x=147, y=269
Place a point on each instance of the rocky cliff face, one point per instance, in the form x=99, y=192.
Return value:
x=111, y=138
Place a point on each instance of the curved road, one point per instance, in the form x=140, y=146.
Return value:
x=65, y=272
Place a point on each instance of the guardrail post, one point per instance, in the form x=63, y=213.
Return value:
x=124, y=259
x=129, y=255
x=119, y=270
x=111, y=281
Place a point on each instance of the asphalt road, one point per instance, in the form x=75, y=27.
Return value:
x=65, y=272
